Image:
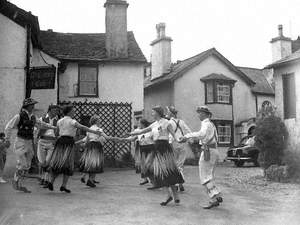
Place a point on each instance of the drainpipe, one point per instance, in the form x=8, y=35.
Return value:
x=27, y=68
x=256, y=104
x=232, y=110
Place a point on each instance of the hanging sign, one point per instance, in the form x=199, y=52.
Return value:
x=42, y=77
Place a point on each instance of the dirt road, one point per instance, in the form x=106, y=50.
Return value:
x=119, y=200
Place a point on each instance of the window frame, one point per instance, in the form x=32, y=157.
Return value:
x=215, y=84
x=226, y=122
x=97, y=81
x=288, y=115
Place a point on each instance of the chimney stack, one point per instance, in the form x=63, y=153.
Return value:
x=281, y=45
x=116, y=29
x=161, y=52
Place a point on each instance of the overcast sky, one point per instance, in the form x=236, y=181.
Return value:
x=239, y=29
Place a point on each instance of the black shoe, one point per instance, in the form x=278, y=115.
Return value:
x=211, y=205
x=96, y=182
x=64, y=189
x=82, y=180
x=177, y=201
x=166, y=202
x=24, y=189
x=181, y=188
x=90, y=184
x=144, y=182
x=219, y=199
x=152, y=188
x=50, y=186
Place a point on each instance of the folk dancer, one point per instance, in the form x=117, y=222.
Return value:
x=62, y=159
x=209, y=156
x=46, y=142
x=161, y=164
x=145, y=145
x=25, y=122
x=4, y=145
x=92, y=159
x=180, y=149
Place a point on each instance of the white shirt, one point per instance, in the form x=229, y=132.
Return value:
x=146, y=139
x=160, y=129
x=185, y=129
x=95, y=137
x=206, y=133
x=66, y=126
x=49, y=132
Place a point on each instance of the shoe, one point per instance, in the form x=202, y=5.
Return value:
x=166, y=202
x=96, y=182
x=177, y=201
x=24, y=189
x=42, y=182
x=219, y=199
x=90, y=184
x=152, y=188
x=181, y=188
x=15, y=185
x=144, y=182
x=50, y=186
x=82, y=180
x=2, y=181
x=211, y=205
x=64, y=189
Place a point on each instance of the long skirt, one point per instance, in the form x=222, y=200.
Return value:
x=145, y=151
x=62, y=159
x=92, y=159
x=161, y=165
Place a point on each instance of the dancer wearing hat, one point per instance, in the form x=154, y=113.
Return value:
x=161, y=164
x=209, y=156
x=46, y=142
x=25, y=122
x=62, y=158
x=145, y=145
x=92, y=159
x=180, y=129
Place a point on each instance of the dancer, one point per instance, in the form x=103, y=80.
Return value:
x=4, y=145
x=46, y=142
x=25, y=122
x=145, y=146
x=62, y=159
x=161, y=163
x=209, y=156
x=180, y=129
x=92, y=159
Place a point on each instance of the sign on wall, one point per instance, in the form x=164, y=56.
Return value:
x=42, y=77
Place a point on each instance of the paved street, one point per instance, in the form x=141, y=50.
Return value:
x=119, y=200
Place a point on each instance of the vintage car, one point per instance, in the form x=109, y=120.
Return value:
x=243, y=153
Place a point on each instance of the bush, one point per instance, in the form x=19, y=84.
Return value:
x=271, y=137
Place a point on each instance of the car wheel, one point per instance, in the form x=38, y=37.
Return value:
x=239, y=163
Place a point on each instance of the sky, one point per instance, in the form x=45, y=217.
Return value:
x=239, y=29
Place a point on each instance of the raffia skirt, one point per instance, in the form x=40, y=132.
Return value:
x=92, y=159
x=62, y=159
x=145, y=150
x=161, y=165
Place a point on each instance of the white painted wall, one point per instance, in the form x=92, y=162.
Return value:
x=12, y=64
x=118, y=82
x=45, y=97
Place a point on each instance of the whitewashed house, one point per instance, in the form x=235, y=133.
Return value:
x=286, y=66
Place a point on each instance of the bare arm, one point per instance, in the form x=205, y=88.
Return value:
x=12, y=124
x=41, y=124
x=142, y=131
x=84, y=128
x=129, y=139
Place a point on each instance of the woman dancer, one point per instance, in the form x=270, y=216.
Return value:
x=62, y=159
x=161, y=163
x=92, y=159
x=145, y=145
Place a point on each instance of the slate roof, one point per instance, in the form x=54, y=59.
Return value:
x=180, y=68
x=294, y=56
x=85, y=46
x=262, y=86
x=22, y=18
x=217, y=76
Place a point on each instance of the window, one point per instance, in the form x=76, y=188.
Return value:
x=225, y=132
x=289, y=96
x=88, y=81
x=218, y=92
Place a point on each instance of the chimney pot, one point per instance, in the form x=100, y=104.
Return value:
x=280, y=33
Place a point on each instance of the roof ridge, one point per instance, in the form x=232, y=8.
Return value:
x=181, y=61
x=247, y=67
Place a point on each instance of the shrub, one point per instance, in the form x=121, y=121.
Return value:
x=271, y=137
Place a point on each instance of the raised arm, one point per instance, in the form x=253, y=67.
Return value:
x=142, y=131
x=129, y=139
x=12, y=124
x=84, y=128
x=41, y=124
x=199, y=134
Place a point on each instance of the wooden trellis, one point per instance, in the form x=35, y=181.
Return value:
x=115, y=121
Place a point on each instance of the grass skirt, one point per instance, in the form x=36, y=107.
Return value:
x=145, y=150
x=161, y=165
x=92, y=159
x=137, y=157
x=62, y=159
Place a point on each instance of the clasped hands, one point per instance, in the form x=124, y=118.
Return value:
x=182, y=139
